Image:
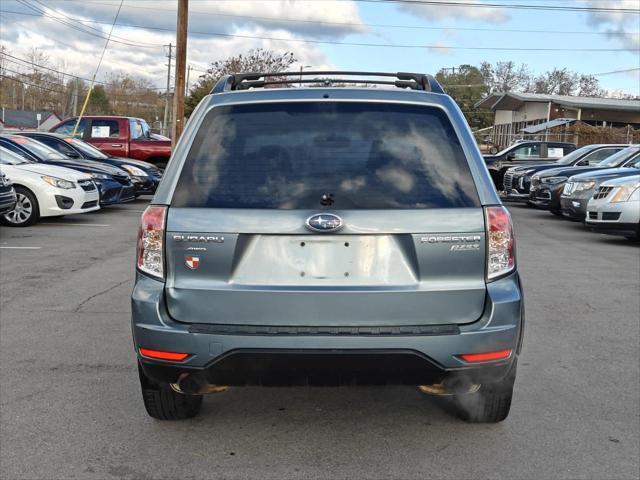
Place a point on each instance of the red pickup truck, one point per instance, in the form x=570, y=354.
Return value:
x=120, y=137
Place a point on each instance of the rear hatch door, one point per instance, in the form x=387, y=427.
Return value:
x=326, y=214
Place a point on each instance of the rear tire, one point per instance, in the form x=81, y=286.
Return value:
x=164, y=403
x=490, y=404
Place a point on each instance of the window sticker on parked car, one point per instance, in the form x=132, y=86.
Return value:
x=555, y=152
x=100, y=131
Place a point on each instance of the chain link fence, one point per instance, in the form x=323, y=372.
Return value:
x=579, y=133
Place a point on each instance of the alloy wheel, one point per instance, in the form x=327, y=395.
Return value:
x=22, y=211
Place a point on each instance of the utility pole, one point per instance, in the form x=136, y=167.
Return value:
x=74, y=100
x=166, y=100
x=186, y=86
x=181, y=66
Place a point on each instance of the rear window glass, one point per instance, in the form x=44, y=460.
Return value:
x=332, y=155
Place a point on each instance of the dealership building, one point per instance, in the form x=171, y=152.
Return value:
x=521, y=114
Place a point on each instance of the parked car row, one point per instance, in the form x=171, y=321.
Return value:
x=41, y=190
x=593, y=184
x=53, y=174
x=524, y=153
x=119, y=136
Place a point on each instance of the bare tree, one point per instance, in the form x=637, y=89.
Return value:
x=556, y=82
x=589, y=86
x=255, y=60
x=505, y=76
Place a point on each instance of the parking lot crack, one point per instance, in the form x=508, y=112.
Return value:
x=102, y=292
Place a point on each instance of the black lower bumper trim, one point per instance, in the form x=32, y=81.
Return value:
x=322, y=368
x=218, y=329
x=624, y=229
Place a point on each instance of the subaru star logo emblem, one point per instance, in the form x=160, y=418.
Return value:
x=324, y=222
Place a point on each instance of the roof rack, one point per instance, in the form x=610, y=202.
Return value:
x=245, y=81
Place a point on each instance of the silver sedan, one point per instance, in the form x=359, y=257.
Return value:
x=615, y=208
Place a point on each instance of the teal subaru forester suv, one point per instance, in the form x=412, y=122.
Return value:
x=327, y=234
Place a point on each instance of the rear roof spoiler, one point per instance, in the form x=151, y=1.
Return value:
x=245, y=81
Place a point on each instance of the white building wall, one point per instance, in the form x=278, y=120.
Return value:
x=531, y=111
x=503, y=117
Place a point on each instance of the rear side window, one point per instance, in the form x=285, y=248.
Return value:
x=67, y=128
x=136, y=129
x=599, y=155
x=309, y=155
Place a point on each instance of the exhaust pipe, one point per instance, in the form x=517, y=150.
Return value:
x=451, y=386
x=196, y=385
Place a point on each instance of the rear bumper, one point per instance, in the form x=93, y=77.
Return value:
x=237, y=356
x=7, y=201
x=514, y=196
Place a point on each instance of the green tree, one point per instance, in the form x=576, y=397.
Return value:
x=255, y=60
x=466, y=85
x=98, y=102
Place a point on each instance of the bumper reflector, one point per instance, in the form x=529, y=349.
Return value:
x=486, y=357
x=173, y=356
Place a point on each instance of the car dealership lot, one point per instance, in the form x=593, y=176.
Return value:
x=71, y=408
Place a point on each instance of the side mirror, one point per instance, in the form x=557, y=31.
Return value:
x=511, y=156
x=73, y=154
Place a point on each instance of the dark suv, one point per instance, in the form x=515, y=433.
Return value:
x=327, y=236
x=525, y=153
x=517, y=180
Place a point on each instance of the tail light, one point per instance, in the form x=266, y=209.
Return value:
x=162, y=355
x=486, y=357
x=501, y=258
x=151, y=241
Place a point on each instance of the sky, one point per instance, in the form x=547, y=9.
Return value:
x=403, y=35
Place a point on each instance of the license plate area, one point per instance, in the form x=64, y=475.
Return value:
x=325, y=260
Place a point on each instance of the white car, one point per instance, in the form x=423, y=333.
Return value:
x=615, y=208
x=45, y=190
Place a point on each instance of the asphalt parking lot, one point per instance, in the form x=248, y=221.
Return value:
x=70, y=403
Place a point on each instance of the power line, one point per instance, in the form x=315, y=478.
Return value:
x=513, y=6
x=55, y=40
x=111, y=37
x=76, y=27
x=390, y=45
x=16, y=60
x=60, y=91
x=373, y=25
x=468, y=4
x=380, y=45
x=111, y=95
x=79, y=28
x=615, y=72
x=93, y=79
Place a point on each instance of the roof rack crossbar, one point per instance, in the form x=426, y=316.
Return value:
x=242, y=81
x=328, y=82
